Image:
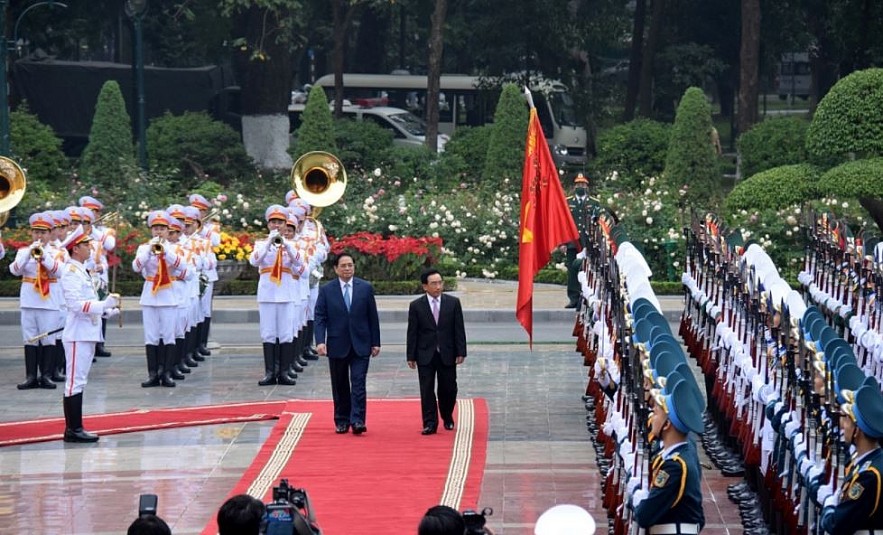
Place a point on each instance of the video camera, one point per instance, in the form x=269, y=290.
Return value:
x=289, y=513
x=475, y=521
x=147, y=505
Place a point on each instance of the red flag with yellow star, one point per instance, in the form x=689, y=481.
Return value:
x=546, y=222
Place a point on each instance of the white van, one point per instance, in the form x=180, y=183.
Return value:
x=407, y=129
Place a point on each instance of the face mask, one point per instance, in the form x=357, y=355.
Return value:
x=580, y=192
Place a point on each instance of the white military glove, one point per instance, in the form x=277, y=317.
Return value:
x=111, y=313
x=638, y=496
x=633, y=484
x=825, y=492
x=111, y=301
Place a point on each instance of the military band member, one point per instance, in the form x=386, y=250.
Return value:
x=39, y=312
x=59, y=233
x=158, y=263
x=278, y=262
x=289, y=232
x=204, y=261
x=855, y=507
x=181, y=288
x=82, y=331
x=674, y=502
x=211, y=232
x=313, y=234
x=104, y=242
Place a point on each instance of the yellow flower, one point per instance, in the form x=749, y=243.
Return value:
x=222, y=257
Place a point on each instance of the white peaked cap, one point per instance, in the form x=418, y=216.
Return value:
x=565, y=520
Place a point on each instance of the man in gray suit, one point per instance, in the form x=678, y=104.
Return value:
x=436, y=345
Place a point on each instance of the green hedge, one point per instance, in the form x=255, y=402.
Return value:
x=691, y=160
x=774, y=188
x=634, y=150
x=861, y=178
x=772, y=143
x=848, y=123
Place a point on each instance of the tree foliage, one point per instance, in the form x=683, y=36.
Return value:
x=855, y=179
x=774, y=188
x=193, y=148
x=634, y=150
x=363, y=144
x=37, y=149
x=110, y=155
x=848, y=122
x=462, y=162
x=692, y=161
x=771, y=143
x=316, y=131
x=505, y=153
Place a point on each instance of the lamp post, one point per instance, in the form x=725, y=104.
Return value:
x=135, y=10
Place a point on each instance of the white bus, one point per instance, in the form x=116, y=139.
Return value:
x=469, y=101
x=794, y=76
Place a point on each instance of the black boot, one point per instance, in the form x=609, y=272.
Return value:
x=191, y=343
x=60, y=363
x=99, y=347
x=297, y=365
x=152, y=366
x=46, y=361
x=30, y=369
x=167, y=355
x=286, y=357
x=202, y=347
x=180, y=361
x=73, y=417
x=310, y=352
x=269, y=365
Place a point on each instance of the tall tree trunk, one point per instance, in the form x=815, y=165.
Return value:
x=634, y=82
x=266, y=90
x=343, y=13
x=436, y=49
x=372, y=42
x=645, y=93
x=749, y=64
x=823, y=61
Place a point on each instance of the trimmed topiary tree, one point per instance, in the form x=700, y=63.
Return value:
x=774, y=188
x=462, y=162
x=857, y=179
x=692, y=161
x=193, y=148
x=505, y=152
x=363, y=144
x=110, y=155
x=37, y=149
x=634, y=150
x=848, y=123
x=772, y=143
x=316, y=131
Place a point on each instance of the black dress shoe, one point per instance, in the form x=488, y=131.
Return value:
x=341, y=429
x=571, y=304
x=100, y=351
x=428, y=430
x=358, y=429
x=79, y=435
x=449, y=426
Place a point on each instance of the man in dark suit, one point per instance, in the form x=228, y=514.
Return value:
x=436, y=345
x=348, y=333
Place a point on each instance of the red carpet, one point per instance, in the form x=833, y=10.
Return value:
x=380, y=482
x=140, y=420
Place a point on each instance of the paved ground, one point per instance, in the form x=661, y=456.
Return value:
x=538, y=453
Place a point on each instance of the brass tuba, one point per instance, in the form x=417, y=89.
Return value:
x=12, y=187
x=318, y=178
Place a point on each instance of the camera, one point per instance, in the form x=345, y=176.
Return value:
x=475, y=521
x=289, y=513
x=147, y=505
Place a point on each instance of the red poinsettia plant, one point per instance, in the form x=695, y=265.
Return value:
x=395, y=258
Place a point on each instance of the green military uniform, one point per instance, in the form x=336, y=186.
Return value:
x=581, y=207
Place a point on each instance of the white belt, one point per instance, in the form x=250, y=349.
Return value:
x=674, y=529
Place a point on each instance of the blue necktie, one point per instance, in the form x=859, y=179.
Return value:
x=346, y=296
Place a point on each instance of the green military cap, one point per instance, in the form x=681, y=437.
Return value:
x=735, y=242
x=826, y=335
x=663, y=364
x=869, y=243
x=683, y=408
x=639, y=304
x=836, y=345
x=838, y=359
x=847, y=379
x=867, y=411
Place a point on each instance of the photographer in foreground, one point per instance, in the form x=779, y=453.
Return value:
x=149, y=525
x=241, y=515
x=444, y=520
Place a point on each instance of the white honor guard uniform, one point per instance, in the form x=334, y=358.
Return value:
x=104, y=242
x=158, y=300
x=211, y=232
x=61, y=221
x=278, y=261
x=82, y=330
x=313, y=234
x=39, y=313
x=181, y=288
x=201, y=286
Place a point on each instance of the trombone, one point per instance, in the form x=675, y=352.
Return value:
x=109, y=218
x=210, y=216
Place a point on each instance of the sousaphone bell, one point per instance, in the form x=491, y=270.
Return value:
x=319, y=179
x=12, y=187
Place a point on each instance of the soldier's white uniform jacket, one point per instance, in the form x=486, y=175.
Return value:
x=103, y=242
x=147, y=264
x=283, y=289
x=36, y=293
x=84, y=310
x=211, y=232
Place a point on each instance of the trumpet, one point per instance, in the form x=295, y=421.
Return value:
x=209, y=216
x=277, y=240
x=37, y=252
x=157, y=246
